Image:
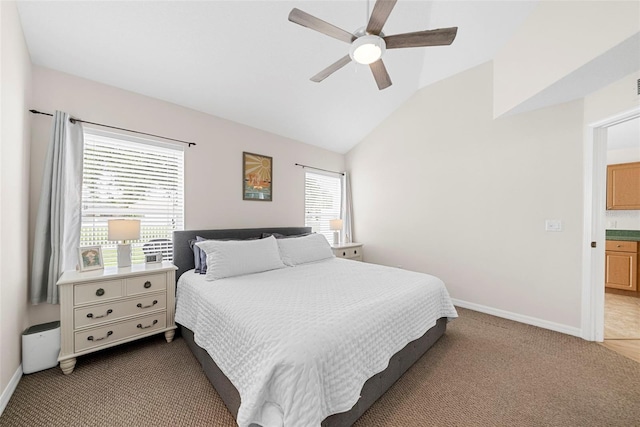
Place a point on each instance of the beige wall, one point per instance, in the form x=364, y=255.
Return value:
x=616, y=98
x=624, y=155
x=213, y=168
x=440, y=187
x=564, y=34
x=15, y=84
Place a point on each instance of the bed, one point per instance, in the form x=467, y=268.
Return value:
x=327, y=354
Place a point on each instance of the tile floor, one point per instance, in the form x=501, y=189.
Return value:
x=621, y=317
x=622, y=325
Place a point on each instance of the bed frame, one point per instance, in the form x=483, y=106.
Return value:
x=375, y=386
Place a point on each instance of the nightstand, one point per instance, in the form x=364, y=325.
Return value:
x=351, y=251
x=105, y=308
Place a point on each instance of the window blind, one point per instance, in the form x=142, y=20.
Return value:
x=128, y=179
x=323, y=194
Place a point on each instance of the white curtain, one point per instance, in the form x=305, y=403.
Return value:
x=57, y=231
x=347, y=209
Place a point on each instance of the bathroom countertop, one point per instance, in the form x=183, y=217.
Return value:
x=627, y=235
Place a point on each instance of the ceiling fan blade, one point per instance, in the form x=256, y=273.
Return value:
x=379, y=15
x=331, y=69
x=299, y=17
x=439, y=37
x=380, y=74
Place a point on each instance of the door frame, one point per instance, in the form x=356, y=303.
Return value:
x=595, y=202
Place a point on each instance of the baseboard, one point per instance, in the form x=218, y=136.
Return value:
x=534, y=321
x=10, y=388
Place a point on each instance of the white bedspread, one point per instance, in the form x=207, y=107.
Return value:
x=303, y=340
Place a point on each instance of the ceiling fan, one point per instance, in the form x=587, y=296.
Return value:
x=369, y=43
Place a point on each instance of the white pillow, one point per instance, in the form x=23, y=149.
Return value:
x=228, y=258
x=300, y=250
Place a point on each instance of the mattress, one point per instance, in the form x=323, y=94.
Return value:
x=299, y=343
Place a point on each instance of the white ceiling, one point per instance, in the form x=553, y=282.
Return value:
x=244, y=61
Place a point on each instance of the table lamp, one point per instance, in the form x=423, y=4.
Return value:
x=336, y=226
x=123, y=230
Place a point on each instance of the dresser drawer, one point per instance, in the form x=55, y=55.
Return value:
x=351, y=253
x=621, y=246
x=109, y=333
x=109, y=311
x=97, y=291
x=145, y=284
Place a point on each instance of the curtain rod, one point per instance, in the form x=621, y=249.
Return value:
x=114, y=127
x=318, y=169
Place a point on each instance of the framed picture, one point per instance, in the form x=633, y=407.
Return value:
x=256, y=177
x=153, y=258
x=90, y=258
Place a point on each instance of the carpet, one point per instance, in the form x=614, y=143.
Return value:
x=485, y=371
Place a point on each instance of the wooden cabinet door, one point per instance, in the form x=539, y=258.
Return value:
x=623, y=186
x=621, y=270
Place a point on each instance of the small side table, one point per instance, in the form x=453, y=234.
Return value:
x=352, y=251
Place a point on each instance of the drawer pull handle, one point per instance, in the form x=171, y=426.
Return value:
x=618, y=246
x=355, y=252
x=100, y=292
x=344, y=254
x=148, y=326
x=147, y=284
x=91, y=338
x=155, y=301
x=91, y=316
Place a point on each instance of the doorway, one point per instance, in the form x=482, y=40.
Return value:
x=622, y=305
x=595, y=224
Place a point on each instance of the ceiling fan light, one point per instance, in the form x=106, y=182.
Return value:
x=367, y=49
x=367, y=53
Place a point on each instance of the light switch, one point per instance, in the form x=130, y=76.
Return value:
x=553, y=225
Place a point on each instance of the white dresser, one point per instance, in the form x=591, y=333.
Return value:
x=104, y=308
x=348, y=250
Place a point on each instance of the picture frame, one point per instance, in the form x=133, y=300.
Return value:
x=90, y=258
x=257, y=172
x=153, y=258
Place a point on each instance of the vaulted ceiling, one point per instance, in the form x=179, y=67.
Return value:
x=244, y=61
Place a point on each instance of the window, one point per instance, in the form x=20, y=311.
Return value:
x=131, y=178
x=323, y=194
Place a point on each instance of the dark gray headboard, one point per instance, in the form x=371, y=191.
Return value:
x=183, y=255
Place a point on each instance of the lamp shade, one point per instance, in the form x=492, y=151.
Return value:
x=124, y=229
x=335, y=224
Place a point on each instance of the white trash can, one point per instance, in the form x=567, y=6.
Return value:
x=40, y=347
